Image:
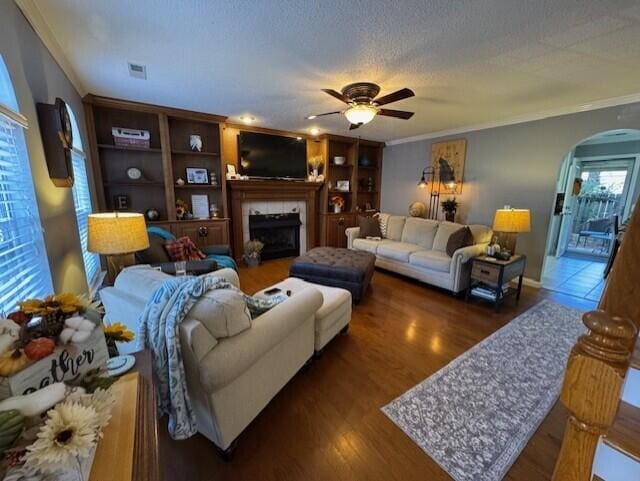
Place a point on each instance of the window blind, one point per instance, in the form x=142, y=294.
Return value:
x=82, y=204
x=24, y=268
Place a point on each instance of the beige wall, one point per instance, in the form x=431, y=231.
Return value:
x=516, y=165
x=38, y=78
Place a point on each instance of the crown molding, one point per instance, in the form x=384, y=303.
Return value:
x=585, y=107
x=37, y=21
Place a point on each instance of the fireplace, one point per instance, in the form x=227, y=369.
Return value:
x=280, y=234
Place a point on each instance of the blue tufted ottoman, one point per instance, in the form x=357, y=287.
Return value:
x=336, y=267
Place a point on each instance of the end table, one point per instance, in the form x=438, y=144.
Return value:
x=489, y=277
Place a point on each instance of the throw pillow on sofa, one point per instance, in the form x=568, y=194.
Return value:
x=369, y=227
x=383, y=220
x=184, y=249
x=445, y=229
x=459, y=239
x=223, y=312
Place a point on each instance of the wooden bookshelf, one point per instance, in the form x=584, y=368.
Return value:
x=161, y=164
x=363, y=161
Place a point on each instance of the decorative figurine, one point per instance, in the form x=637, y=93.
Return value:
x=214, y=179
x=180, y=181
x=195, y=141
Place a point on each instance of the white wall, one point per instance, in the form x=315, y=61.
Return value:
x=516, y=165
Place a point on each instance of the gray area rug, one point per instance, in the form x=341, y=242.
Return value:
x=475, y=415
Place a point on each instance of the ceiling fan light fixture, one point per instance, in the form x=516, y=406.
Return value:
x=311, y=117
x=360, y=114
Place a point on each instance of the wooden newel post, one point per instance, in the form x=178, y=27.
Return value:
x=591, y=391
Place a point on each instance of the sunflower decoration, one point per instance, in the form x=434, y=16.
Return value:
x=67, y=303
x=118, y=332
x=69, y=434
x=101, y=400
x=182, y=208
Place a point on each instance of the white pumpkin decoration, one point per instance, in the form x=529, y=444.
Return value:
x=9, y=333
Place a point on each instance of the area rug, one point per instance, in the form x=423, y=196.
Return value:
x=475, y=415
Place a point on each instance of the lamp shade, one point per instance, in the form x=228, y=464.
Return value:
x=117, y=233
x=512, y=220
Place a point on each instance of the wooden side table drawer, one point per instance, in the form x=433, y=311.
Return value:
x=485, y=272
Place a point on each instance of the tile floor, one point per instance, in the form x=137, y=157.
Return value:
x=575, y=276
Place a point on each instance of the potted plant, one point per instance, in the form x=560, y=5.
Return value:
x=337, y=201
x=252, y=250
x=449, y=207
x=316, y=164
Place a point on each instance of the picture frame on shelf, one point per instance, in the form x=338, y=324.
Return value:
x=197, y=175
x=342, y=185
x=200, y=206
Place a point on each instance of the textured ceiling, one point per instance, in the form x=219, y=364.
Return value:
x=469, y=61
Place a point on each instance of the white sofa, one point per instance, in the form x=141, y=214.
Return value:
x=231, y=379
x=416, y=247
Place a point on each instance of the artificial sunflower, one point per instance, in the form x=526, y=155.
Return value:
x=101, y=400
x=33, y=306
x=67, y=302
x=68, y=434
x=118, y=332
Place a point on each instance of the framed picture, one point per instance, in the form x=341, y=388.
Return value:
x=200, y=206
x=197, y=175
x=342, y=185
x=454, y=152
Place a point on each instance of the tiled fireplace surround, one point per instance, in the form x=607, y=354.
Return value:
x=276, y=207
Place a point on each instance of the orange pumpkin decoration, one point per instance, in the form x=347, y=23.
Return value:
x=12, y=362
x=39, y=348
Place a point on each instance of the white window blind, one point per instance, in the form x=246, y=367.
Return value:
x=24, y=268
x=82, y=203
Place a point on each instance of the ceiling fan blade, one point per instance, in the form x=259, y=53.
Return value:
x=354, y=126
x=394, y=97
x=398, y=114
x=337, y=95
x=309, y=117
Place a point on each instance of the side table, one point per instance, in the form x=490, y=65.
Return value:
x=490, y=276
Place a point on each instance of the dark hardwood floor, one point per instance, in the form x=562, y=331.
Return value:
x=326, y=424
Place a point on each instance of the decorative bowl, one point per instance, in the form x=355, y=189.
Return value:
x=339, y=160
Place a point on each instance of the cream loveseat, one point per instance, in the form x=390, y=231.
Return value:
x=416, y=248
x=234, y=366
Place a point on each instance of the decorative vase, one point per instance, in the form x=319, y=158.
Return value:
x=450, y=216
x=364, y=160
x=252, y=261
x=337, y=208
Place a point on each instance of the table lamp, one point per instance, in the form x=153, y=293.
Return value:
x=117, y=235
x=509, y=223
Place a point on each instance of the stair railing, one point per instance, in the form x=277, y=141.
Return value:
x=592, y=389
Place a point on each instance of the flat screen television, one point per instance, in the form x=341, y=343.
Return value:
x=272, y=156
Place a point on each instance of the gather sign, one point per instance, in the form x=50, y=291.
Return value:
x=66, y=363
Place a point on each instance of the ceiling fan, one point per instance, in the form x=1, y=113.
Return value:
x=363, y=105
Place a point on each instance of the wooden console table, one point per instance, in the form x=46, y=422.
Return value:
x=129, y=449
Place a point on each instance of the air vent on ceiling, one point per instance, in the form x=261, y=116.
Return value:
x=138, y=70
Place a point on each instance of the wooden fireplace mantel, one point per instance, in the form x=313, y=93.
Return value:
x=272, y=190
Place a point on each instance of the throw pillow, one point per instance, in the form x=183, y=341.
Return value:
x=155, y=253
x=176, y=251
x=383, y=219
x=258, y=305
x=223, y=312
x=193, y=253
x=183, y=249
x=369, y=227
x=460, y=238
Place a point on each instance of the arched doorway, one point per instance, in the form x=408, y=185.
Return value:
x=597, y=188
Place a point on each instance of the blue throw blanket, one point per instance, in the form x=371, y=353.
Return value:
x=159, y=332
